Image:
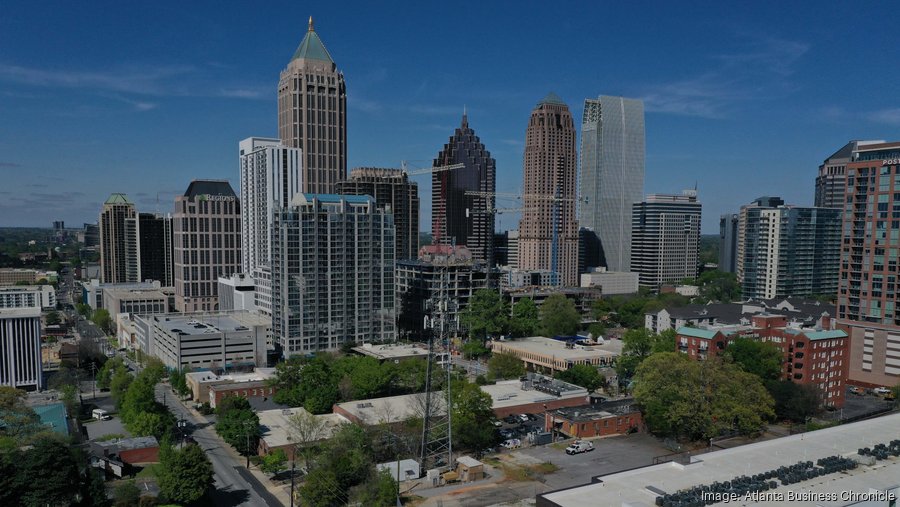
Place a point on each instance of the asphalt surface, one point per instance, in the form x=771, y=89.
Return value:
x=234, y=484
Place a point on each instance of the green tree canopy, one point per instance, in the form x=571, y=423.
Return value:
x=795, y=402
x=719, y=286
x=238, y=424
x=185, y=475
x=691, y=399
x=583, y=375
x=525, y=318
x=485, y=315
x=273, y=462
x=637, y=345
x=505, y=366
x=102, y=319
x=763, y=359
x=17, y=420
x=53, y=318
x=341, y=464
x=471, y=416
x=559, y=317
x=474, y=348
x=105, y=373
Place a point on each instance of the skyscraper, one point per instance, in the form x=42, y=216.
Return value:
x=20, y=343
x=832, y=176
x=207, y=231
x=312, y=114
x=728, y=235
x=868, y=292
x=456, y=217
x=270, y=178
x=548, y=232
x=393, y=192
x=155, y=249
x=665, y=240
x=332, y=273
x=118, y=241
x=612, y=174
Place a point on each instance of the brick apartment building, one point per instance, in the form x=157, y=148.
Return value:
x=601, y=420
x=818, y=356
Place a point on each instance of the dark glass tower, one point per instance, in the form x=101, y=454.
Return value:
x=456, y=217
x=155, y=247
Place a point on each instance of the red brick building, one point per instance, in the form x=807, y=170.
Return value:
x=601, y=420
x=257, y=389
x=819, y=356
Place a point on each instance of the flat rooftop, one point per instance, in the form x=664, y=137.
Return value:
x=557, y=348
x=591, y=412
x=135, y=294
x=511, y=393
x=633, y=487
x=393, y=350
x=277, y=429
x=198, y=324
x=256, y=375
x=392, y=409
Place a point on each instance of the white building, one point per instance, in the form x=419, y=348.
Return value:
x=92, y=290
x=205, y=340
x=237, y=292
x=665, y=238
x=20, y=344
x=611, y=283
x=27, y=296
x=140, y=301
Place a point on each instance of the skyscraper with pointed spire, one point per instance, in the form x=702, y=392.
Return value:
x=312, y=114
x=456, y=217
x=548, y=232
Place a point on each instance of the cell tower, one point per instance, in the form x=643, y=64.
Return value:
x=437, y=446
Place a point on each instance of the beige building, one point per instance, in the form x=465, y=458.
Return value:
x=548, y=355
x=548, y=231
x=207, y=223
x=118, y=241
x=312, y=114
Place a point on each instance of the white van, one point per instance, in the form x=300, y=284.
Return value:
x=100, y=414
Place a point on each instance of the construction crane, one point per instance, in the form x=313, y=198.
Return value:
x=429, y=170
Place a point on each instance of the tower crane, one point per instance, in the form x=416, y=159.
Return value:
x=429, y=170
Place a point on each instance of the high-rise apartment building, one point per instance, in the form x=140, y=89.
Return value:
x=728, y=241
x=20, y=343
x=312, y=114
x=746, y=212
x=832, y=176
x=118, y=240
x=207, y=231
x=457, y=218
x=332, y=273
x=870, y=262
x=612, y=174
x=548, y=232
x=270, y=178
x=394, y=193
x=155, y=248
x=665, y=240
x=788, y=251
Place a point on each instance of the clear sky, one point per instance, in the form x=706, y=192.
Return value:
x=743, y=98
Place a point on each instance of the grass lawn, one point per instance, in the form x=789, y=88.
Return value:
x=149, y=471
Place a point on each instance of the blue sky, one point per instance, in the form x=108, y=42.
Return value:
x=745, y=99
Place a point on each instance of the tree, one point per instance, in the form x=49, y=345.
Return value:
x=84, y=310
x=310, y=383
x=369, y=378
x=105, y=373
x=178, y=381
x=719, y=286
x=102, y=319
x=504, y=366
x=691, y=399
x=379, y=490
x=70, y=399
x=637, y=345
x=525, y=318
x=127, y=494
x=794, y=402
x=47, y=474
x=184, y=475
x=471, y=416
x=559, y=317
x=155, y=423
x=342, y=463
x=474, y=348
x=53, y=318
x=485, y=315
x=305, y=429
x=273, y=462
x=17, y=420
x=238, y=424
x=895, y=393
x=583, y=375
x=118, y=385
x=763, y=359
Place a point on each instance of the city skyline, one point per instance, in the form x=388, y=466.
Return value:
x=710, y=107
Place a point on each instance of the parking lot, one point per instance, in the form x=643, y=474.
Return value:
x=516, y=427
x=858, y=404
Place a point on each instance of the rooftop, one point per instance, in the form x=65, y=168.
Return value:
x=135, y=294
x=392, y=409
x=392, y=350
x=301, y=199
x=276, y=425
x=197, y=324
x=814, y=334
x=256, y=375
x=641, y=486
x=311, y=48
x=209, y=187
x=553, y=99
x=510, y=393
x=53, y=415
x=125, y=444
x=118, y=199
x=557, y=348
x=601, y=410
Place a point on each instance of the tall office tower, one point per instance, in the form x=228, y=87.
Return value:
x=746, y=212
x=789, y=251
x=612, y=174
x=155, y=249
x=588, y=250
x=207, y=231
x=118, y=241
x=91, y=235
x=332, y=273
x=665, y=238
x=867, y=299
x=312, y=114
x=548, y=232
x=832, y=176
x=270, y=178
x=457, y=218
x=393, y=192
x=20, y=343
x=728, y=240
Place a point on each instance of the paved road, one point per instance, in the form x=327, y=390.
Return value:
x=472, y=367
x=234, y=485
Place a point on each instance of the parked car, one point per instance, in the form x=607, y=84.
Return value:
x=507, y=433
x=531, y=417
x=512, y=443
x=511, y=419
x=496, y=423
x=882, y=390
x=523, y=418
x=579, y=447
x=855, y=390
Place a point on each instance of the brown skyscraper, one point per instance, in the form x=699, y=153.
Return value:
x=312, y=114
x=548, y=232
x=118, y=241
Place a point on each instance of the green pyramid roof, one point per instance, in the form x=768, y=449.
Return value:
x=312, y=48
x=552, y=98
x=118, y=199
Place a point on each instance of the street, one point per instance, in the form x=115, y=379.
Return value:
x=234, y=485
x=473, y=367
